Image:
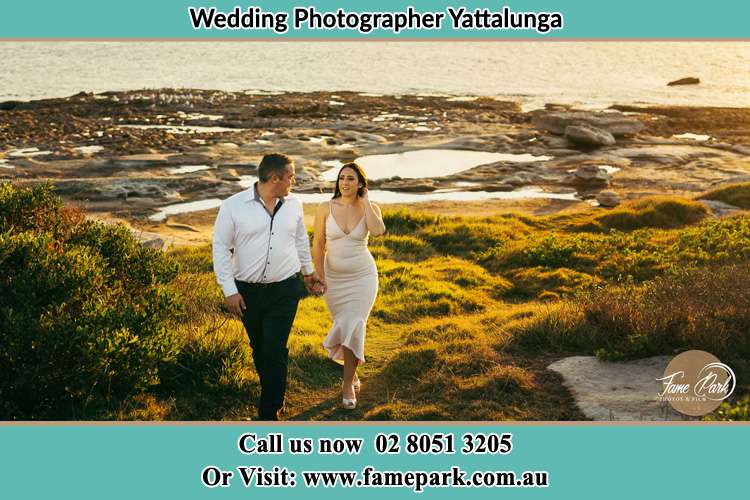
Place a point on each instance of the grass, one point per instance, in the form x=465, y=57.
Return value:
x=735, y=194
x=471, y=311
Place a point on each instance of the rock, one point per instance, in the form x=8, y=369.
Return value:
x=732, y=180
x=242, y=168
x=493, y=188
x=229, y=174
x=9, y=105
x=685, y=81
x=591, y=173
x=520, y=179
x=616, y=390
x=148, y=240
x=373, y=138
x=743, y=150
x=184, y=227
x=410, y=185
x=615, y=123
x=608, y=199
x=588, y=135
x=553, y=141
x=720, y=209
x=306, y=174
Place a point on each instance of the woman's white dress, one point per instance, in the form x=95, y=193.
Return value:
x=352, y=281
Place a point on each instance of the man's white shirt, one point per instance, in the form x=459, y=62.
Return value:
x=251, y=245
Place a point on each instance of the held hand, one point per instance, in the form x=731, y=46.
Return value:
x=236, y=304
x=318, y=288
x=309, y=281
x=365, y=196
x=321, y=283
x=315, y=284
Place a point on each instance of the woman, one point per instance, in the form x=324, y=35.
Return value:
x=347, y=270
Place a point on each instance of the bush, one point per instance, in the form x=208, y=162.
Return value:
x=706, y=309
x=406, y=222
x=83, y=310
x=656, y=212
x=543, y=282
x=735, y=194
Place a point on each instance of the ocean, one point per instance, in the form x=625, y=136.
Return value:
x=589, y=74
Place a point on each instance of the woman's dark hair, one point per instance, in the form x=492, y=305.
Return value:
x=362, y=179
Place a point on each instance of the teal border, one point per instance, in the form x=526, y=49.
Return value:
x=168, y=19
x=165, y=461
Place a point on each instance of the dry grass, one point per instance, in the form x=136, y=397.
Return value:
x=471, y=311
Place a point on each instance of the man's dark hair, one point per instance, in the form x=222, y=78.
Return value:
x=273, y=164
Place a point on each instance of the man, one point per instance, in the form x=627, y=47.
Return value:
x=260, y=243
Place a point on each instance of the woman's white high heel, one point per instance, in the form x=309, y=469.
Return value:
x=350, y=404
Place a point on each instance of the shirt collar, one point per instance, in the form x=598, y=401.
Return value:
x=255, y=196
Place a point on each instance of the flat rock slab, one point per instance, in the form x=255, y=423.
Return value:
x=625, y=390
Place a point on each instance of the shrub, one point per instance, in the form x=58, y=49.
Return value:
x=467, y=238
x=734, y=194
x=407, y=222
x=406, y=248
x=707, y=309
x=541, y=281
x=736, y=411
x=656, y=212
x=83, y=310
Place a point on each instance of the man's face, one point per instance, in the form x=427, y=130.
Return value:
x=284, y=184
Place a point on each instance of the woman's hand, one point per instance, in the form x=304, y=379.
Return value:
x=365, y=196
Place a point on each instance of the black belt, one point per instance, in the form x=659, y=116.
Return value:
x=273, y=284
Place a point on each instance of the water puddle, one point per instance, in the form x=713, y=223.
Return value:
x=4, y=164
x=87, y=150
x=692, y=137
x=336, y=103
x=198, y=116
x=183, y=208
x=391, y=116
x=382, y=196
x=462, y=99
x=263, y=92
x=607, y=168
x=429, y=163
x=184, y=129
x=27, y=153
x=379, y=196
x=188, y=169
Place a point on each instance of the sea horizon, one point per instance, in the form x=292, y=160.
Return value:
x=585, y=74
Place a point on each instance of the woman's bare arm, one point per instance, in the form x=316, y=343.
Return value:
x=319, y=239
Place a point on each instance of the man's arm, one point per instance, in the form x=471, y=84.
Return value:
x=223, y=242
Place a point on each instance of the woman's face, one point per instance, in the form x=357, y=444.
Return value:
x=348, y=182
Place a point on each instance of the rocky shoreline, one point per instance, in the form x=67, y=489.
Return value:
x=129, y=153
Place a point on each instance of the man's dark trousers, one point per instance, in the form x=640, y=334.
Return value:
x=268, y=318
